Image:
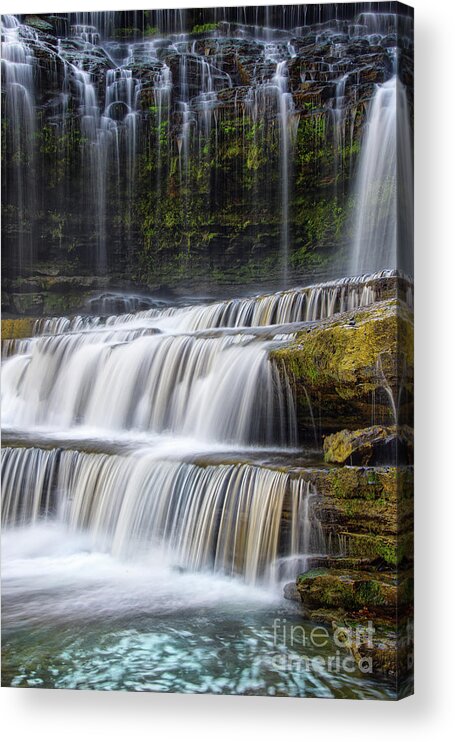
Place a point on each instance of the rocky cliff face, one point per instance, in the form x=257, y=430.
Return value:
x=352, y=369
x=357, y=368
x=216, y=157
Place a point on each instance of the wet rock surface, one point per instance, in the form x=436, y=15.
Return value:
x=191, y=123
x=374, y=445
x=349, y=363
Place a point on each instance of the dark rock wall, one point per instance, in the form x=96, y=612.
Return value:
x=206, y=209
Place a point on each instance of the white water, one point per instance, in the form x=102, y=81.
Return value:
x=383, y=229
x=308, y=304
x=174, y=371
x=339, y=119
x=285, y=108
x=197, y=373
x=18, y=87
x=166, y=396
x=62, y=578
x=141, y=384
x=107, y=134
x=225, y=518
x=187, y=100
x=221, y=389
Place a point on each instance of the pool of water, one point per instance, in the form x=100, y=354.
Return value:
x=75, y=618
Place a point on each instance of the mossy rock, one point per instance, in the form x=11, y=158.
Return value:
x=374, y=633
x=349, y=363
x=372, y=483
x=374, y=445
x=367, y=510
x=39, y=24
x=126, y=33
x=205, y=28
x=390, y=653
x=339, y=447
x=15, y=329
x=349, y=591
x=347, y=482
x=384, y=548
x=370, y=517
x=27, y=303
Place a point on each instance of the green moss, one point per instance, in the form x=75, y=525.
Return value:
x=39, y=23
x=350, y=591
x=205, y=28
x=369, y=593
x=243, y=157
x=151, y=31
x=339, y=351
x=372, y=547
x=345, y=482
x=342, y=361
x=17, y=328
x=340, y=447
x=126, y=33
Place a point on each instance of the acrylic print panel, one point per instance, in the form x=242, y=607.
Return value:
x=207, y=350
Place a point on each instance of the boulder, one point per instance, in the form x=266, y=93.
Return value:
x=290, y=591
x=349, y=591
x=39, y=24
x=352, y=367
x=375, y=445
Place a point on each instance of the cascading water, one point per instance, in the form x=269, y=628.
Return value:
x=195, y=379
x=383, y=216
x=166, y=85
x=154, y=466
x=308, y=304
x=222, y=389
x=193, y=515
x=110, y=143
x=18, y=70
x=339, y=114
x=285, y=107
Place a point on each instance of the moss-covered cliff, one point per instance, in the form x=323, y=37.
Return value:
x=350, y=370
x=176, y=173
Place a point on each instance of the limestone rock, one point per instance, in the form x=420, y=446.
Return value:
x=15, y=329
x=348, y=365
x=351, y=591
x=38, y=23
x=377, y=444
x=290, y=591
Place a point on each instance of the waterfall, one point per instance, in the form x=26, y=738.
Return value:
x=383, y=216
x=285, y=109
x=307, y=539
x=214, y=389
x=86, y=33
x=102, y=21
x=140, y=104
x=307, y=304
x=200, y=372
x=227, y=518
x=121, y=106
x=97, y=131
x=18, y=71
x=384, y=23
x=110, y=143
x=339, y=114
x=162, y=93
x=275, y=311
